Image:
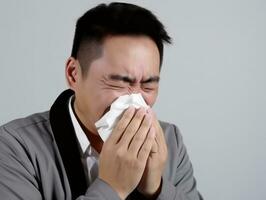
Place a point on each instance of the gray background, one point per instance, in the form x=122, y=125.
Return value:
x=213, y=79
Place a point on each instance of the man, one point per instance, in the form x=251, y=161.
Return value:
x=58, y=154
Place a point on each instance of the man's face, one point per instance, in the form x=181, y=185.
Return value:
x=129, y=64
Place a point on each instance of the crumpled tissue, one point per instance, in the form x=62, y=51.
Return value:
x=106, y=124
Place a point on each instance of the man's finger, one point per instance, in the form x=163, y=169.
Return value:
x=158, y=129
x=155, y=146
x=121, y=125
x=133, y=127
x=160, y=138
x=140, y=136
x=147, y=145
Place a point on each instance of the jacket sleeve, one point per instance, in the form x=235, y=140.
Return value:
x=184, y=185
x=99, y=190
x=17, y=176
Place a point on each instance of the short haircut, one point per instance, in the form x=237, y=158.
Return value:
x=113, y=20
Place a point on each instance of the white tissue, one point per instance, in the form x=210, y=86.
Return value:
x=106, y=124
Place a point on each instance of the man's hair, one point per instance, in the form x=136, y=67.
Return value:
x=113, y=20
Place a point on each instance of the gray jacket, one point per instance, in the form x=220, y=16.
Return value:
x=39, y=159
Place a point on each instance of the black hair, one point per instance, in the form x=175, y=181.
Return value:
x=110, y=20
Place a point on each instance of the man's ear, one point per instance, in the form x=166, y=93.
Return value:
x=72, y=72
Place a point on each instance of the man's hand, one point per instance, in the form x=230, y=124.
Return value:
x=124, y=155
x=151, y=180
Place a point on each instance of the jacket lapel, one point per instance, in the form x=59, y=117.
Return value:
x=67, y=143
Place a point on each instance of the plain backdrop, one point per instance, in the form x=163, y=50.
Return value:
x=212, y=81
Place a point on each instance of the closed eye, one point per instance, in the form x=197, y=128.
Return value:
x=146, y=88
x=149, y=89
x=150, y=86
x=115, y=86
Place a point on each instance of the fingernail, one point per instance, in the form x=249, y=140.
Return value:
x=152, y=132
x=143, y=110
x=150, y=110
x=149, y=118
x=131, y=108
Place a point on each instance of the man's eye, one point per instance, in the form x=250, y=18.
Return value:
x=148, y=89
x=117, y=86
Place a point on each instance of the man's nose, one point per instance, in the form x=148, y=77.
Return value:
x=134, y=89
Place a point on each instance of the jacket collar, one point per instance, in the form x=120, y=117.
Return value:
x=67, y=143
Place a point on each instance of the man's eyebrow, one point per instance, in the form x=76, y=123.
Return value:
x=117, y=77
x=152, y=79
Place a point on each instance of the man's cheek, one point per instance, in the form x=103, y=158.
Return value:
x=150, y=100
x=106, y=110
x=111, y=96
x=106, y=107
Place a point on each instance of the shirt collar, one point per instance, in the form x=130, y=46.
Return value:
x=81, y=136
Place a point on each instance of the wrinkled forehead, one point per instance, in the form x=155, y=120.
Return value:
x=133, y=57
x=133, y=54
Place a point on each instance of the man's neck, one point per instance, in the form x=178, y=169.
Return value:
x=94, y=138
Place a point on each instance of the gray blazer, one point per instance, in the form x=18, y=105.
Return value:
x=39, y=159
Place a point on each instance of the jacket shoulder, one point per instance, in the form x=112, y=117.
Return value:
x=169, y=128
x=27, y=121
x=30, y=127
x=172, y=134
